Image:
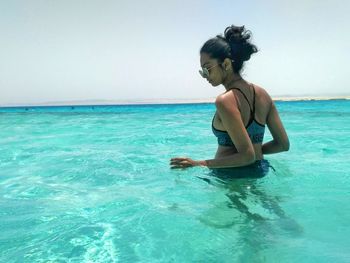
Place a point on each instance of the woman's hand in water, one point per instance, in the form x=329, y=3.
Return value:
x=184, y=162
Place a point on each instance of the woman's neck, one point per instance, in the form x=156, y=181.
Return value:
x=232, y=81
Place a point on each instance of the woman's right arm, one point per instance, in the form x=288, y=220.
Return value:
x=280, y=142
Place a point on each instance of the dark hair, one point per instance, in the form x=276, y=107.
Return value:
x=234, y=45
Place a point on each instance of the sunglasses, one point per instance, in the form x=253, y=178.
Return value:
x=205, y=71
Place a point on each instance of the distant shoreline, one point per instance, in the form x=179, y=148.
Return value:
x=163, y=101
x=307, y=98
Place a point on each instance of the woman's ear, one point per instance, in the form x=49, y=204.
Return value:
x=227, y=64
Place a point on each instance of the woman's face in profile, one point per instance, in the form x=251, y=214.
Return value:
x=211, y=69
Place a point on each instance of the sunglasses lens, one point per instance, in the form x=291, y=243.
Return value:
x=201, y=73
x=204, y=72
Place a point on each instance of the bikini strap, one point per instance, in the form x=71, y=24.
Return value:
x=253, y=100
x=250, y=107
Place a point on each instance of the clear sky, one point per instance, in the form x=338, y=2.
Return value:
x=133, y=50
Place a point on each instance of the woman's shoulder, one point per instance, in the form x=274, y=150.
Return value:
x=226, y=99
x=262, y=95
x=260, y=90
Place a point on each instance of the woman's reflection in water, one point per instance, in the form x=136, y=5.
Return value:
x=243, y=189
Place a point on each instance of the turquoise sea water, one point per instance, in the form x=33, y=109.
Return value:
x=93, y=184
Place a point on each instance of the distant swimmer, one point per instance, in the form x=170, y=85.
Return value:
x=242, y=111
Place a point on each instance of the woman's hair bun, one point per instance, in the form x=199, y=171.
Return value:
x=238, y=39
x=236, y=34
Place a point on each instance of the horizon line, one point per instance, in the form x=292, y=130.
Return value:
x=80, y=103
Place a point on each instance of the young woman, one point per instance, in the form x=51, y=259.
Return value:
x=242, y=111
